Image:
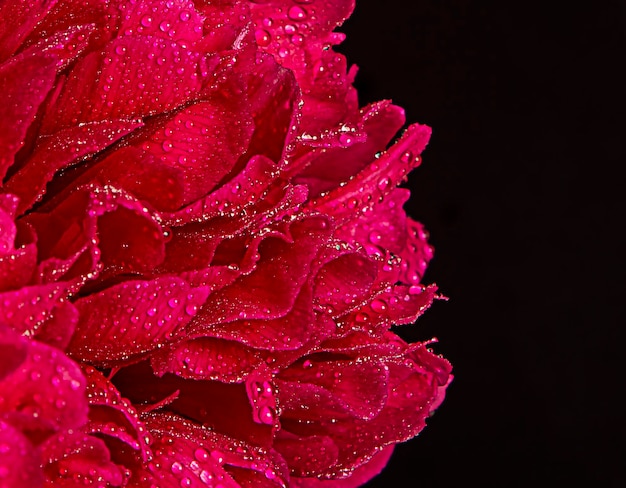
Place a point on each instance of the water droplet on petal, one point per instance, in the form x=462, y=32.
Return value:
x=201, y=454
x=379, y=305
x=297, y=13
x=262, y=37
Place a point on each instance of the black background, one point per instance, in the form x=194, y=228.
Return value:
x=521, y=189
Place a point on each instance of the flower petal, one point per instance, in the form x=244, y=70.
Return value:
x=188, y=455
x=19, y=460
x=45, y=394
x=132, y=318
x=58, y=152
x=72, y=458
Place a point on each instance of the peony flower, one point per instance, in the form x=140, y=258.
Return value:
x=202, y=250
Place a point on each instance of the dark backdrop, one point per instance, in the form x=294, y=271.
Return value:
x=521, y=189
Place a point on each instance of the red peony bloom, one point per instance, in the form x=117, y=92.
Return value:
x=202, y=250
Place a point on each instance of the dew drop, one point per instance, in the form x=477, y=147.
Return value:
x=384, y=183
x=406, y=157
x=266, y=415
x=205, y=476
x=416, y=289
x=345, y=139
x=262, y=37
x=362, y=317
x=177, y=468
x=184, y=16
x=297, y=13
x=165, y=26
x=146, y=21
x=379, y=305
x=201, y=454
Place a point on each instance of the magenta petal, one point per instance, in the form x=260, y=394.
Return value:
x=270, y=291
x=188, y=455
x=307, y=456
x=43, y=303
x=401, y=305
x=379, y=178
x=233, y=415
x=176, y=21
x=323, y=386
x=19, y=18
x=45, y=394
x=17, y=259
x=203, y=141
x=313, y=23
x=284, y=333
x=358, y=477
x=96, y=229
x=344, y=282
x=208, y=358
x=336, y=165
x=79, y=458
x=110, y=85
x=115, y=420
x=24, y=83
x=59, y=151
x=273, y=96
x=132, y=318
x=19, y=460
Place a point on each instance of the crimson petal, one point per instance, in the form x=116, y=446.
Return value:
x=45, y=393
x=132, y=318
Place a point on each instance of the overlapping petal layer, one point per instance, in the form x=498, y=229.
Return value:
x=203, y=248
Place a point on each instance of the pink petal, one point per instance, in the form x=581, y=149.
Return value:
x=58, y=152
x=284, y=265
x=306, y=456
x=358, y=477
x=115, y=420
x=344, y=282
x=232, y=415
x=401, y=305
x=132, y=318
x=19, y=18
x=96, y=229
x=72, y=458
x=19, y=460
x=378, y=179
x=111, y=85
x=203, y=142
x=208, y=358
x=189, y=455
x=348, y=156
x=284, y=333
x=176, y=21
x=40, y=309
x=327, y=386
x=24, y=83
x=18, y=253
x=415, y=383
x=313, y=21
x=45, y=394
x=67, y=14
x=273, y=96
